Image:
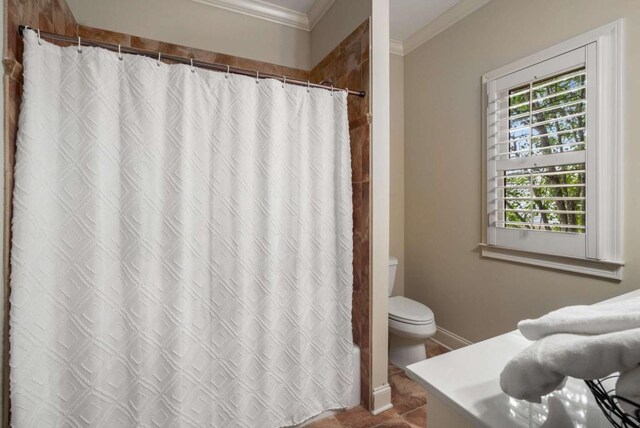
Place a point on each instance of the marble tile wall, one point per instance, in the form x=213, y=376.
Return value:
x=347, y=66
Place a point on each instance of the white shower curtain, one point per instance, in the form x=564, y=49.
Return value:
x=182, y=246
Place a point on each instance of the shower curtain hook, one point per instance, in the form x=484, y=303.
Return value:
x=39, y=39
x=284, y=81
x=226, y=76
x=193, y=70
x=159, y=57
x=120, y=53
x=308, y=83
x=79, y=45
x=257, y=77
x=331, y=90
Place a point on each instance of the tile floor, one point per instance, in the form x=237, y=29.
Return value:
x=408, y=398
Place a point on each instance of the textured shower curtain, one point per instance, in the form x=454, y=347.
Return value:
x=182, y=246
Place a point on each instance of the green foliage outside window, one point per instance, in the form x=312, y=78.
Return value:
x=547, y=117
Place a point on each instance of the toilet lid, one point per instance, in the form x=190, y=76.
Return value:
x=409, y=311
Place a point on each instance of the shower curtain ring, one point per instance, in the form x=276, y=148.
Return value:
x=308, y=83
x=120, y=53
x=193, y=70
x=226, y=76
x=39, y=39
x=284, y=81
x=257, y=77
x=159, y=57
x=331, y=90
x=79, y=45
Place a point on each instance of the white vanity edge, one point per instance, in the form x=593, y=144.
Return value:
x=468, y=378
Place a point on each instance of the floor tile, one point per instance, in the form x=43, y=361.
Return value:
x=358, y=417
x=434, y=349
x=396, y=422
x=417, y=417
x=393, y=370
x=406, y=395
x=330, y=422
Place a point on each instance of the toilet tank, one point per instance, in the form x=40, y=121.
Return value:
x=393, y=266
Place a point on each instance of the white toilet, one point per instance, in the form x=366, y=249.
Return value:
x=410, y=324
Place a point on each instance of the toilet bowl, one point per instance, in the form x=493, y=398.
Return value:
x=410, y=324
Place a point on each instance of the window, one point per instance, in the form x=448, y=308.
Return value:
x=553, y=157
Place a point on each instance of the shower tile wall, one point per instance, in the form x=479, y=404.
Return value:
x=347, y=66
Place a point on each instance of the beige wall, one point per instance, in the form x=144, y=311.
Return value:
x=396, y=196
x=189, y=23
x=339, y=21
x=474, y=297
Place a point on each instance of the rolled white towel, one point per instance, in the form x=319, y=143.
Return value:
x=543, y=367
x=594, y=319
x=628, y=386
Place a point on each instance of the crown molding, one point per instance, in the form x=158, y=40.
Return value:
x=396, y=47
x=273, y=13
x=306, y=21
x=456, y=13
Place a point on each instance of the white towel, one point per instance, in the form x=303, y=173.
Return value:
x=628, y=386
x=542, y=367
x=595, y=319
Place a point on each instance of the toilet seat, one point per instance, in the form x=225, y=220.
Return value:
x=409, y=311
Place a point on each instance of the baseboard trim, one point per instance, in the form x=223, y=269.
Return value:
x=450, y=340
x=381, y=399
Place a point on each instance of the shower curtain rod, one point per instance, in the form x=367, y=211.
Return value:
x=189, y=61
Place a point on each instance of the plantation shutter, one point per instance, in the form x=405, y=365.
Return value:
x=538, y=184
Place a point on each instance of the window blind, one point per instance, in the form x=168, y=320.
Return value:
x=540, y=155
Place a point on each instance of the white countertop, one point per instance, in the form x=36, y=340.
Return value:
x=468, y=380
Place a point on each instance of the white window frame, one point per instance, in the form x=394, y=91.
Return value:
x=597, y=252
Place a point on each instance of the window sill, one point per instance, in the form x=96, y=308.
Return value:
x=602, y=269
